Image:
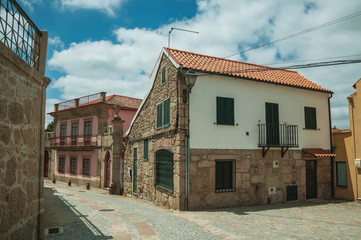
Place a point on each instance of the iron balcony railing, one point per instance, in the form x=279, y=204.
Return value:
x=19, y=33
x=77, y=101
x=75, y=141
x=277, y=135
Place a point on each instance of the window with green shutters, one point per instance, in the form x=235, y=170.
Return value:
x=163, y=76
x=145, y=152
x=164, y=169
x=310, y=118
x=163, y=114
x=225, y=111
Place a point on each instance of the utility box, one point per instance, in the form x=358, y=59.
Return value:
x=358, y=163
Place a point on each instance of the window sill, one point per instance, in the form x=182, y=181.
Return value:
x=312, y=129
x=225, y=190
x=342, y=187
x=165, y=190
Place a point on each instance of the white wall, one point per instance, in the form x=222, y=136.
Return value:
x=249, y=110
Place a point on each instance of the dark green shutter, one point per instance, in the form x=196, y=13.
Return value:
x=310, y=118
x=163, y=75
x=159, y=115
x=146, y=144
x=225, y=111
x=164, y=169
x=166, y=113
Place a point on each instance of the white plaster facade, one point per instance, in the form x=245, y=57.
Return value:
x=249, y=110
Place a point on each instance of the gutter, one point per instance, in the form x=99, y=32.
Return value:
x=331, y=146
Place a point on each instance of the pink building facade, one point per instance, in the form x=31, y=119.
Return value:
x=81, y=148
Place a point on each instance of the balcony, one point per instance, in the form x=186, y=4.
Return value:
x=277, y=135
x=74, y=141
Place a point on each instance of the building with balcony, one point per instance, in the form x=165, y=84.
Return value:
x=228, y=133
x=347, y=168
x=87, y=139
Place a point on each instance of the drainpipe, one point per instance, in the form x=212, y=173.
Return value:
x=331, y=146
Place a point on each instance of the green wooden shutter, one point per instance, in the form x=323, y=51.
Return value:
x=159, y=115
x=163, y=75
x=225, y=111
x=166, y=112
x=310, y=118
x=145, y=152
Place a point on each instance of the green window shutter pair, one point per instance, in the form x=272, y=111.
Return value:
x=163, y=75
x=310, y=118
x=145, y=152
x=163, y=114
x=225, y=111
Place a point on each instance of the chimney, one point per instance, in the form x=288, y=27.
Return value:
x=56, y=107
x=102, y=96
x=76, y=101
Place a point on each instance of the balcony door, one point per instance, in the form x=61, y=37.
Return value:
x=272, y=124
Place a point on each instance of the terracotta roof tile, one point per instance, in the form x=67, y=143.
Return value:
x=318, y=152
x=222, y=66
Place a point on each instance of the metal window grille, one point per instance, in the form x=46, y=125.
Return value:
x=225, y=175
x=164, y=169
x=19, y=33
x=86, y=167
x=61, y=166
x=73, y=162
x=292, y=192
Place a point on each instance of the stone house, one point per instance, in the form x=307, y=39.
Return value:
x=87, y=144
x=22, y=113
x=213, y=132
x=347, y=168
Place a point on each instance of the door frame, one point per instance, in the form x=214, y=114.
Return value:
x=135, y=171
x=107, y=170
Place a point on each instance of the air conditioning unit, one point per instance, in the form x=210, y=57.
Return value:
x=358, y=163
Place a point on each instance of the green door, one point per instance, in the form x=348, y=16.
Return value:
x=272, y=124
x=135, y=171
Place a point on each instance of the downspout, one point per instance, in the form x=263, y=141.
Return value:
x=331, y=146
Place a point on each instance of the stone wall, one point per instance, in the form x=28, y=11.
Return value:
x=170, y=138
x=22, y=109
x=253, y=177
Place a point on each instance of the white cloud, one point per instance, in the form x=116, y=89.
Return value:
x=49, y=108
x=225, y=27
x=56, y=42
x=106, y=6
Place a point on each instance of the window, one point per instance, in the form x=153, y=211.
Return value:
x=164, y=169
x=163, y=114
x=310, y=118
x=73, y=165
x=61, y=166
x=86, y=166
x=87, y=132
x=224, y=175
x=225, y=111
x=163, y=76
x=341, y=174
x=74, y=133
x=145, y=150
x=62, y=134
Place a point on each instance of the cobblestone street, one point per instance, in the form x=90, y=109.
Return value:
x=93, y=214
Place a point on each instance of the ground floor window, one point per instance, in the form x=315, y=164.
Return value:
x=73, y=165
x=61, y=166
x=86, y=166
x=164, y=169
x=225, y=175
x=341, y=175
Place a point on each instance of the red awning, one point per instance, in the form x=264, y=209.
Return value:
x=318, y=152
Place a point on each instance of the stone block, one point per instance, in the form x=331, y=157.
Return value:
x=5, y=134
x=10, y=173
x=256, y=178
x=16, y=113
x=206, y=164
x=243, y=165
x=246, y=185
x=3, y=109
x=246, y=177
x=14, y=209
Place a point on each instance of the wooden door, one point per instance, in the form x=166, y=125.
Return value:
x=107, y=170
x=46, y=164
x=272, y=124
x=135, y=171
x=311, y=179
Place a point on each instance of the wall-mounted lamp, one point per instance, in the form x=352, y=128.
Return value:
x=190, y=78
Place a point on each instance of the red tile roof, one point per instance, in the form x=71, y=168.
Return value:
x=227, y=67
x=318, y=152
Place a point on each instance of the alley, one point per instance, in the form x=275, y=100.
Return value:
x=84, y=214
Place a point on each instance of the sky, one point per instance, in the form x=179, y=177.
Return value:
x=112, y=45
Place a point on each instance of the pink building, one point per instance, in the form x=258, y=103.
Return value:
x=81, y=148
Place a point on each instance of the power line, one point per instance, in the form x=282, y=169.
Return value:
x=317, y=59
x=300, y=33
